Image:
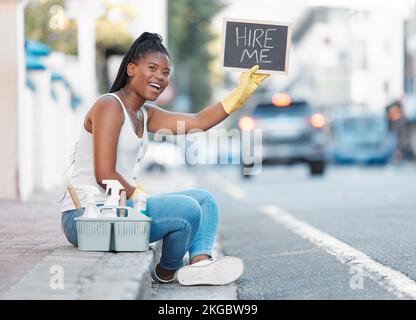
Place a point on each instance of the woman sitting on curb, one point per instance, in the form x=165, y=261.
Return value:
x=116, y=128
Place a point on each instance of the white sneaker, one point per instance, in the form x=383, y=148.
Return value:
x=215, y=271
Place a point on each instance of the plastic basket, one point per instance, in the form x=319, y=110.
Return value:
x=93, y=235
x=131, y=236
x=129, y=233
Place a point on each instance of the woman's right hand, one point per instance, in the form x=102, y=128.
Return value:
x=247, y=84
x=139, y=189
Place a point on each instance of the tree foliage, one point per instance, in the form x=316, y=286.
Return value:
x=44, y=22
x=189, y=35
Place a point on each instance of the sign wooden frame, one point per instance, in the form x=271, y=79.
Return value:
x=280, y=24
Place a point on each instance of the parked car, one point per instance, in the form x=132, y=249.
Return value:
x=162, y=156
x=291, y=133
x=361, y=139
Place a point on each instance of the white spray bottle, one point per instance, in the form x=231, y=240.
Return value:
x=140, y=203
x=114, y=187
x=91, y=210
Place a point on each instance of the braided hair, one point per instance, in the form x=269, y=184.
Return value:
x=147, y=42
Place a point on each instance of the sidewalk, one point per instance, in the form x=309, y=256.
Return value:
x=37, y=262
x=35, y=253
x=29, y=232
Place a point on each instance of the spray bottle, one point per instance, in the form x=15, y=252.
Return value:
x=140, y=203
x=91, y=210
x=114, y=187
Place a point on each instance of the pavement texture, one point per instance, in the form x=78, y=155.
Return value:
x=37, y=262
x=369, y=208
x=29, y=232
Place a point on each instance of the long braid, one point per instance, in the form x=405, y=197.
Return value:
x=121, y=78
x=147, y=42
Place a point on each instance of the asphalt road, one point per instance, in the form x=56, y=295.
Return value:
x=371, y=211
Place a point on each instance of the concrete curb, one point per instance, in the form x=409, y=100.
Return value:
x=69, y=274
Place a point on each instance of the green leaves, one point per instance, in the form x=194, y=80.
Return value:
x=189, y=38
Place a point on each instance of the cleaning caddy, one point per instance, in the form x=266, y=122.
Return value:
x=105, y=229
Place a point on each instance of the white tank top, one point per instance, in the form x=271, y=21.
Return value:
x=130, y=152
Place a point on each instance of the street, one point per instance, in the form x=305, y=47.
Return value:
x=347, y=235
x=278, y=223
x=326, y=87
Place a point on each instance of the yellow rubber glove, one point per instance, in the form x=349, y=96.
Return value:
x=139, y=189
x=247, y=84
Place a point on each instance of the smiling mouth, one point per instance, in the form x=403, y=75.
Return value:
x=155, y=85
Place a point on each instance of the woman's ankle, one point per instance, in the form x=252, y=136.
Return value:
x=199, y=257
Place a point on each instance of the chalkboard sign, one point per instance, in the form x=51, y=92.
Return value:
x=250, y=42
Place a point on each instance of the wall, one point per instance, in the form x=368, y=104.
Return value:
x=11, y=83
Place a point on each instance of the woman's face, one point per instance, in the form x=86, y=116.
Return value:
x=150, y=75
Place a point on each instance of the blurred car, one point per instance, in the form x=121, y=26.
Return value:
x=291, y=133
x=162, y=156
x=361, y=139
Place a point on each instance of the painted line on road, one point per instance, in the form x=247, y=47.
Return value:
x=393, y=281
x=226, y=186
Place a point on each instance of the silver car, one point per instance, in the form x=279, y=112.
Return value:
x=291, y=133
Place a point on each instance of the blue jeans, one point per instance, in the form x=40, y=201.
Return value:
x=185, y=220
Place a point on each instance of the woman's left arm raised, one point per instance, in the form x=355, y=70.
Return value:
x=180, y=123
x=211, y=115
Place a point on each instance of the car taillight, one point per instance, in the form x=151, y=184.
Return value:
x=246, y=123
x=281, y=100
x=317, y=120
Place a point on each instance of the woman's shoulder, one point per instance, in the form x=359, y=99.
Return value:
x=107, y=106
x=108, y=103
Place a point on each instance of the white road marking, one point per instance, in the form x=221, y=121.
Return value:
x=393, y=281
x=226, y=186
x=291, y=253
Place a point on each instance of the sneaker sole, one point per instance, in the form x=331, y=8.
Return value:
x=223, y=271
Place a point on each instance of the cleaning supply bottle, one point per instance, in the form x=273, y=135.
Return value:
x=123, y=212
x=91, y=210
x=140, y=203
x=113, y=187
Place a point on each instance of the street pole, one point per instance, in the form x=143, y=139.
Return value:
x=85, y=14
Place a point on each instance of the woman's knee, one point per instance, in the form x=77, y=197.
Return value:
x=208, y=196
x=202, y=195
x=210, y=202
x=191, y=211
